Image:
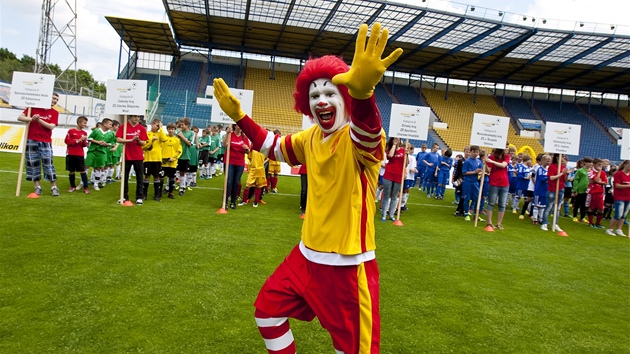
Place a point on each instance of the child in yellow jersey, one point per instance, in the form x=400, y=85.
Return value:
x=274, y=171
x=256, y=179
x=171, y=151
x=332, y=273
x=153, y=160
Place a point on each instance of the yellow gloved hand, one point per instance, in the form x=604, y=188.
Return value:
x=367, y=67
x=229, y=104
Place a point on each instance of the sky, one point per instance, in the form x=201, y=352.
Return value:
x=98, y=44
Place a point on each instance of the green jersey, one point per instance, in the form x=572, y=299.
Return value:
x=98, y=135
x=205, y=140
x=190, y=136
x=215, y=142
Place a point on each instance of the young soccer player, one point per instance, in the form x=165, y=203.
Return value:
x=112, y=147
x=457, y=182
x=422, y=167
x=595, y=193
x=499, y=185
x=431, y=161
x=135, y=138
x=153, y=160
x=556, y=176
x=540, y=191
x=274, y=170
x=97, y=152
x=470, y=181
x=204, y=154
x=444, y=173
x=256, y=179
x=76, y=139
x=187, y=138
x=523, y=175
x=171, y=151
x=410, y=177
x=580, y=187
x=513, y=181
x=215, y=148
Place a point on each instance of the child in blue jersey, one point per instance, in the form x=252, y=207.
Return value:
x=523, y=175
x=421, y=167
x=444, y=173
x=470, y=180
x=513, y=179
x=540, y=189
x=431, y=161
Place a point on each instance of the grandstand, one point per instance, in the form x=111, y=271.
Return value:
x=472, y=50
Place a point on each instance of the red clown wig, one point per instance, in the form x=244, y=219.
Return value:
x=325, y=67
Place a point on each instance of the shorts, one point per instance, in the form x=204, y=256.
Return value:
x=409, y=183
x=567, y=192
x=595, y=201
x=192, y=168
x=152, y=168
x=344, y=298
x=75, y=163
x=380, y=180
x=609, y=199
x=257, y=182
x=220, y=157
x=540, y=201
x=183, y=165
x=96, y=160
x=621, y=209
x=204, y=156
x=274, y=168
x=212, y=160
x=529, y=194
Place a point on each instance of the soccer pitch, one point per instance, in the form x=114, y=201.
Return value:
x=83, y=274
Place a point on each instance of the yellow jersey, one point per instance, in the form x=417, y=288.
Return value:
x=153, y=148
x=171, y=148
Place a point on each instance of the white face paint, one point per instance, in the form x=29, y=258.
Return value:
x=327, y=105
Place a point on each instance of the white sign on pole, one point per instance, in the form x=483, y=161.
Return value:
x=563, y=138
x=307, y=122
x=31, y=90
x=625, y=144
x=409, y=122
x=126, y=97
x=490, y=131
x=247, y=102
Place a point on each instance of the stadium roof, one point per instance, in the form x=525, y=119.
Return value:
x=436, y=43
x=145, y=36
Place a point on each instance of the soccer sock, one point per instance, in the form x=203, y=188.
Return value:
x=239, y=188
x=599, y=216
x=590, y=217
x=118, y=171
x=72, y=183
x=379, y=192
x=193, y=177
x=274, y=182
x=171, y=185
x=276, y=333
x=535, y=214
x=246, y=195
x=404, y=198
x=566, y=208
x=157, y=188
x=145, y=184
x=84, y=180
x=97, y=176
x=257, y=193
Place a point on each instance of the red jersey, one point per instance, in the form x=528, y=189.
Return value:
x=552, y=171
x=75, y=147
x=622, y=194
x=237, y=149
x=499, y=176
x=133, y=150
x=593, y=187
x=394, y=167
x=37, y=131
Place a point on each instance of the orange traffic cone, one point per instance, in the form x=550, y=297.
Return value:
x=489, y=228
x=398, y=223
x=33, y=196
x=222, y=211
x=301, y=216
x=563, y=234
x=127, y=203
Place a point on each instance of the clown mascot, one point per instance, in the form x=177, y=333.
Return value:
x=332, y=273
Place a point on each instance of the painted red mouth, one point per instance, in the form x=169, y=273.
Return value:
x=326, y=117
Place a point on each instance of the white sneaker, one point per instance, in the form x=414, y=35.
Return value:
x=620, y=233
x=95, y=186
x=544, y=227
x=557, y=228
x=610, y=232
x=139, y=201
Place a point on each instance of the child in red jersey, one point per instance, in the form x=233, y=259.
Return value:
x=76, y=140
x=595, y=193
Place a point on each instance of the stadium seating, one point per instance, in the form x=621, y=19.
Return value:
x=458, y=112
x=273, y=99
x=594, y=141
x=606, y=116
x=624, y=112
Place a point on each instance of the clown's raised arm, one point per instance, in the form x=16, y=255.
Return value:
x=332, y=94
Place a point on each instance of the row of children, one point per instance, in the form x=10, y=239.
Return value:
x=594, y=187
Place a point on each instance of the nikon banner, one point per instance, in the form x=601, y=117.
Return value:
x=11, y=139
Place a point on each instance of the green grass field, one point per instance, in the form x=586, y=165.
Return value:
x=81, y=274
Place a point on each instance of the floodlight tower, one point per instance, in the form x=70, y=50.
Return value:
x=62, y=33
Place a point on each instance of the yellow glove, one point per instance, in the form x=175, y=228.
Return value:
x=367, y=67
x=229, y=104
